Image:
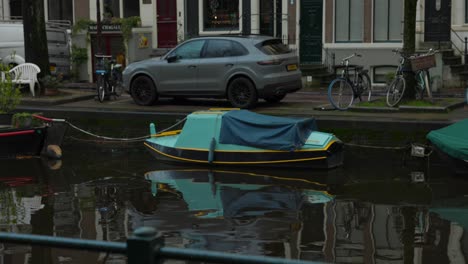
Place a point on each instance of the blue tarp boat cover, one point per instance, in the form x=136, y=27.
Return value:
x=242, y=127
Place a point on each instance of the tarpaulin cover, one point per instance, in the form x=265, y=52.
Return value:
x=242, y=127
x=453, y=139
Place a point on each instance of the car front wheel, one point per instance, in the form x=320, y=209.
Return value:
x=143, y=91
x=241, y=93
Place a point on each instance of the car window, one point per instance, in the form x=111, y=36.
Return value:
x=218, y=48
x=190, y=50
x=273, y=47
x=238, y=49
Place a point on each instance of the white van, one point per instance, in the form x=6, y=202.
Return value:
x=58, y=39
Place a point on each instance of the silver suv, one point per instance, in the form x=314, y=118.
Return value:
x=239, y=68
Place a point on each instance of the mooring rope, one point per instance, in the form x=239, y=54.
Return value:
x=375, y=147
x=104, y=137
x=122, y=139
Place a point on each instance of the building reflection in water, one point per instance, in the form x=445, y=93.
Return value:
x=246, y=213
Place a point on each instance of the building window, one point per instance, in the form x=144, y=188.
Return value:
x=111, y=9
x=16, y=11
x=388, y=20
x=383, y=74
x=131, y=8
x=221, y=15
x=466, y=11
x=349, y=20
x=60, y=10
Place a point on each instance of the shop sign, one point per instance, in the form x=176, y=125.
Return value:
x=106, y=28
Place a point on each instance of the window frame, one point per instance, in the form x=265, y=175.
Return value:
x=201, y=19
x=392, y=68
x=349, y=25
x=388, y=24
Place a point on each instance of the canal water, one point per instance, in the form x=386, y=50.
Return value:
x=382, y=206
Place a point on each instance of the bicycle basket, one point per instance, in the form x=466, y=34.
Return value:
x=423, y=62
x=101, y=64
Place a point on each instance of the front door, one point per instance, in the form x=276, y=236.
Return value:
x=167, y=23
x=311, y=32
x=437, y=22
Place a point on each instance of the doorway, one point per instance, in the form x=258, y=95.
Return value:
x=311, y=32
x=167, y=23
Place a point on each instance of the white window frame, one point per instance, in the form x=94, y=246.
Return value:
x=388, y=24
x=201, y=17
x=349, y=23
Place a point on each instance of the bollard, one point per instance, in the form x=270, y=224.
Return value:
x=152, y=129
x=143, y=245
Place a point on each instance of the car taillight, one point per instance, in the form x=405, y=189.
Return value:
x=270, y=62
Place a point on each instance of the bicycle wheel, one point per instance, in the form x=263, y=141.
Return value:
x=395, y=91
x=340, y=94
x=118, y=83
x=420, y=90
x=101, y=88
x=364, y=83
x=424, y=79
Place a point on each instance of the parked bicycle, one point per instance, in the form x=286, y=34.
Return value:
x=354, y=82
x=420, y=65
x=109, y=77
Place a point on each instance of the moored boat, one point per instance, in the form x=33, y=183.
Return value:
x=451, y=142
x=23, y=142
x=244, y=138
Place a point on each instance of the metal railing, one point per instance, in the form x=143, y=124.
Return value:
x=145, y=246
x=463, y=51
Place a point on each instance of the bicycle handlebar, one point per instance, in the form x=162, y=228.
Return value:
x=350, y=56
x=429, y=52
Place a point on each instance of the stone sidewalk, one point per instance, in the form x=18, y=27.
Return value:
x=305, y=103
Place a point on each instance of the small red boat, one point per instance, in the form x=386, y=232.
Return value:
x=30, y=141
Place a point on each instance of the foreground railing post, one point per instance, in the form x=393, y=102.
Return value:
x=143, y=244
x=466, y=52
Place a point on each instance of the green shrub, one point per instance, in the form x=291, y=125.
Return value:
x=10, y=95
x=24, y=119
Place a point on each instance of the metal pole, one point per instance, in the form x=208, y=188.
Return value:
x=98, y=26
x=63, y=242
x=144, y=245
x=466, y=53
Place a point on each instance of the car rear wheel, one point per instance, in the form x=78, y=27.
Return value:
x=143, y=91
x=241, y=93
x=275, y=98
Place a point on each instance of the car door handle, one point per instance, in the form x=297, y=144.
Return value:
x=229, y=65
x=192, y=66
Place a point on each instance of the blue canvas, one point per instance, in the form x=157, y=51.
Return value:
x=242, y=127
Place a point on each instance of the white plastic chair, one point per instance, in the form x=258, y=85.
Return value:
x=26, y=73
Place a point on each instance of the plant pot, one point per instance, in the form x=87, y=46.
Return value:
x=5, y=119
x=51, y=91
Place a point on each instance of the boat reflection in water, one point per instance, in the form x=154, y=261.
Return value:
x=237, y=212
x=259, y=213
x=295, y=218
x=214, y=194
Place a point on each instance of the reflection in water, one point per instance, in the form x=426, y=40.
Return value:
x=320, y=216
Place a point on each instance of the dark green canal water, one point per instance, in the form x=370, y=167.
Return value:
x=382, y=206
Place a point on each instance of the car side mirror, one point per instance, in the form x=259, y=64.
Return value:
x=172, y=58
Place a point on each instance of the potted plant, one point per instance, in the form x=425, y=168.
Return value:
x=51, y=83
x=25, y=120
x=10, y=96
